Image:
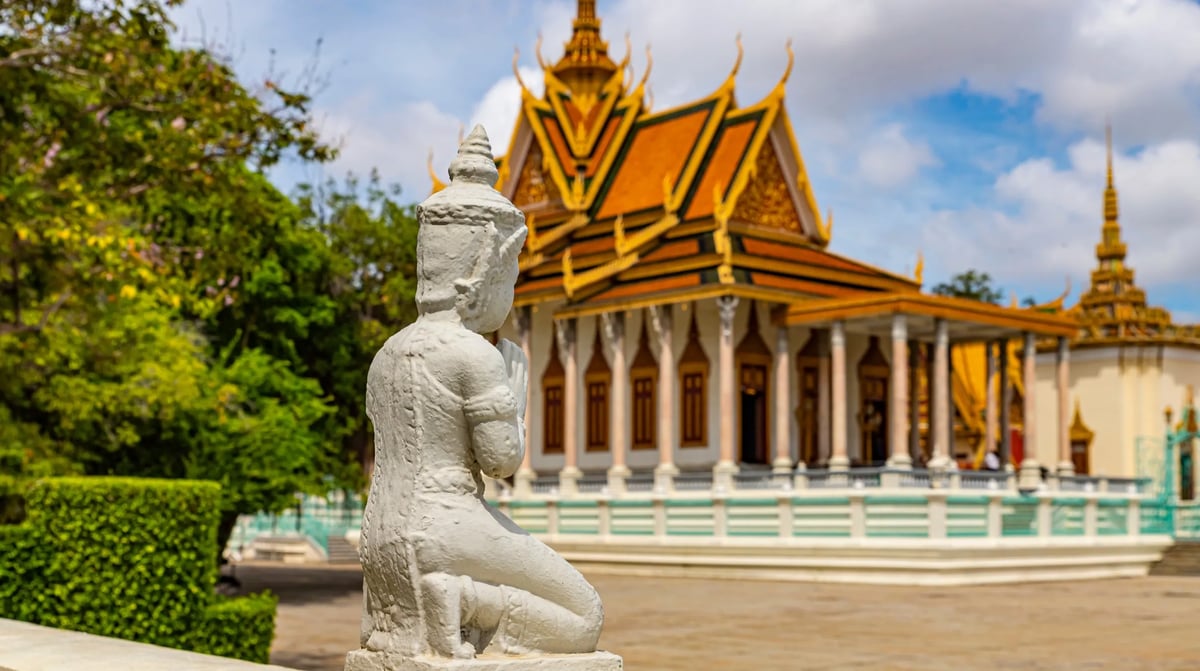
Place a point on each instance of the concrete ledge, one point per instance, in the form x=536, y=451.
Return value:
x=365, y=660
x=31, y=647
x=868, y=560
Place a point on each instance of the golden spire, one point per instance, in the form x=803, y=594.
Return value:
x=919, y=270
x=585, y=65
x=1111, y=251
x=1110, y=191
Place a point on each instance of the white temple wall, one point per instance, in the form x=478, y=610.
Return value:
x=1122, y=393
x=1180, y=369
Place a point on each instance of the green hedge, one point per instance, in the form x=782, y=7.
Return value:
x=129, y=558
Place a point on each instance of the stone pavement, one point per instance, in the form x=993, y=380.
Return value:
x=701, y=625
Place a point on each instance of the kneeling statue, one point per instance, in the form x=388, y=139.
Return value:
x=446, y=575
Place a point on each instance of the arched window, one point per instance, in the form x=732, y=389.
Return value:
x=596, y=381
x=1081, y=447
x=693, y=391
x=553, y=384
x=643, y=378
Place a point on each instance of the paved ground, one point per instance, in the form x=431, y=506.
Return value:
x=702, y=625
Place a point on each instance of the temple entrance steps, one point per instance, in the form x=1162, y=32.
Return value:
x=1183, y=558
x=341, y=551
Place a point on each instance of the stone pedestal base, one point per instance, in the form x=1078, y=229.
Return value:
x=366, y=660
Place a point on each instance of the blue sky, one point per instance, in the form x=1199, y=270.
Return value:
x=969, y=131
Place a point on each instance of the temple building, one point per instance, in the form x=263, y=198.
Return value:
x=1129, y=363
x=683, y=314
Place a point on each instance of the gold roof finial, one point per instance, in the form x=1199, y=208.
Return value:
x=737, y=63
x=825, y=229
x=919, y=270
x=517, y=71
x=437, y=184
x=649, y=65
x=537, y=50
x=787, y=72
x=628, y=52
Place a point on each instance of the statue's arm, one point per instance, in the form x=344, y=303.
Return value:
x=493, y=415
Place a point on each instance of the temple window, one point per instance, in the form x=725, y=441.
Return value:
x=693, y=385
x=552, y=403
x=1081, y=444
x=644, y=380
x=597, y=380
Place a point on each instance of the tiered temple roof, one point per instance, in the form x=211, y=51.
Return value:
x=628, y=207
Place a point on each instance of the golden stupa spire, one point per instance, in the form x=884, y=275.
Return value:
x=1111, y=251
x=1113, y=306
x=585, y=65
x=1110, y=191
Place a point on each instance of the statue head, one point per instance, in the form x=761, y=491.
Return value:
x=468, y=241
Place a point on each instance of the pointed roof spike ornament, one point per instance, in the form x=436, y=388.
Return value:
x=787, y=72
x=919, y=270
x=537, y=50
x=737, y=64
x=437, y=183
x=649, y=66
x=517, y=71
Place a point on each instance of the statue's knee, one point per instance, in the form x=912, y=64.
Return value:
x=593, y=612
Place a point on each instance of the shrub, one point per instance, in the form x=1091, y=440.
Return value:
x=128, y=558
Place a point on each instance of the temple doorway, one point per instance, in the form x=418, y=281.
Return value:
x=753, y=414
x=753, y=360
x=873, y=372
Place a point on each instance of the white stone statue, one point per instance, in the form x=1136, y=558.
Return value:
x=449, y=581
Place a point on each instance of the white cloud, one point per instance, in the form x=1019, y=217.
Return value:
x=500, y=106
x=890, y=159
x=1132, y=60
x=409, y=77
x=1053, y=218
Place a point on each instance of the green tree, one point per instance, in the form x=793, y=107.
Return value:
x=970, y=284
x=136, y=228
x=372, y=241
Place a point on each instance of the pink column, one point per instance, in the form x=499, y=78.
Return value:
x=837, y=345
x=525, y=474
x=824, y=449
x=1065, y=465
x=898, y=410
x=914, y=401
x=614, y=330
x=725, y=468
x=989, y=408
x=941, y=396
x=569, y=476
x=1031, y=474
x=783, y=402
x=665, y=472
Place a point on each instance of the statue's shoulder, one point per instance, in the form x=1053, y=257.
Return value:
x=465, y=346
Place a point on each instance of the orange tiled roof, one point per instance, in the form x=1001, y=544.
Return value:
x=629, y=203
